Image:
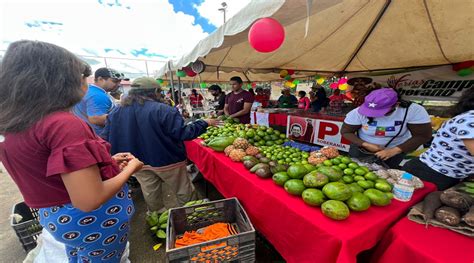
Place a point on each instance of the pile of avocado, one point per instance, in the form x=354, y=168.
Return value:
x=338, y=186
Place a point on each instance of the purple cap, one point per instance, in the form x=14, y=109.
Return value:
x=378, y=102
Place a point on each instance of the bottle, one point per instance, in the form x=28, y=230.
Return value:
x=403, y=189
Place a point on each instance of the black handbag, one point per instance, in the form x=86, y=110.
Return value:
x=365, y=156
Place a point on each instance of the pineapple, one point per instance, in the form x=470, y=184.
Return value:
x=241, y=143
x=237, y=154
x=252, y=150
x=228, y=149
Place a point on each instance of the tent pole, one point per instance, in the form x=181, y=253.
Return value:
x=371, y=29
x=171, y=81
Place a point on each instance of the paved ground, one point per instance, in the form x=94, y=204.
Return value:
x=141, y=240
x=10, y=247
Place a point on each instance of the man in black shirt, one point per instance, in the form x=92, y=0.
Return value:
x=219, y=99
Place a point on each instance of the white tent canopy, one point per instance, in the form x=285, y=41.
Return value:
x=344, y=36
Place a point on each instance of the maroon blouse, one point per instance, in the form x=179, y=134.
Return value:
x=58, y=143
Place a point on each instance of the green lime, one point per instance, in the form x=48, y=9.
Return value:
x=250, y=134
x=261, y=134
x=371, y=176
x=366, y=169
x=327, y=163
x=348, y=171
x=335, y=167
x=282, y=136
x=360, y=171
x=342, y=166
x=353, y=165
x=347, y=179
x=335, y=161
x=346, y=160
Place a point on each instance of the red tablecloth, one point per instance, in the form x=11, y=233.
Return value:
x=299, y=232
x=408, y=241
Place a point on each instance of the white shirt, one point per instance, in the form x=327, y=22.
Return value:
x=382, y=129
x=448, y=154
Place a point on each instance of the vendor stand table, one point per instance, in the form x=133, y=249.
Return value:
x=299, y=232
x=408, y=241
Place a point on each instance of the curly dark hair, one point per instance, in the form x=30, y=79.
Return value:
x=36, y=79
x=465, y=103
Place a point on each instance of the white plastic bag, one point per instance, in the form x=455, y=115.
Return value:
x=49, y=250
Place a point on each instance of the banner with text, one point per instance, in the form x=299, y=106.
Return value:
x=328, y=133
x=440, y=83
x=317, y=131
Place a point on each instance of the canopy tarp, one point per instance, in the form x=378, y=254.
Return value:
x=344, y=36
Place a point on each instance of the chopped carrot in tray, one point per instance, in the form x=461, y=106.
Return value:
x=214, y=231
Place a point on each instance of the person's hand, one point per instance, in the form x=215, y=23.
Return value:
x=372, y=147
x=133, y=165
x=212, y=122
x=122, y=159
x=388, y=153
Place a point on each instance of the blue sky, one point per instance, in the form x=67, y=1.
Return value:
x=189, y=7
x=140, y=29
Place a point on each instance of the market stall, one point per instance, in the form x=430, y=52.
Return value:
x=299, y=232
x=408, y=241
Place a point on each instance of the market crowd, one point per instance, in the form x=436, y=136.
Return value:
x=71, y=147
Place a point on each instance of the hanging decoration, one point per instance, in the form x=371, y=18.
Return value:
x=266, y=35
x=334, y=85
x=160, y=81
x=283, y=73
x=465, y=68
x=180, y=73
x=189, y=72
x=343, y=86
x=203, y=85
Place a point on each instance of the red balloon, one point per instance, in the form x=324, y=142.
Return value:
x=290, y=71
x=266, y=35
x=254, y=84
x=189, y=72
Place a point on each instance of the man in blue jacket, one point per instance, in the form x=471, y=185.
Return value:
x=154, y=132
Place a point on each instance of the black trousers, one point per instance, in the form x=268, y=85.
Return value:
x=425, y=173
x=393, y=163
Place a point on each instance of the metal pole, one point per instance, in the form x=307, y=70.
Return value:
x=179, y=90
x=171, y=80
x=105, y=61
x=224, y=15
x=146, y=66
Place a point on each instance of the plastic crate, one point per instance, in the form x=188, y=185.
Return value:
x=28, y=228
x=235, y=248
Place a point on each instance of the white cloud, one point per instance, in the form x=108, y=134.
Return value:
x=209, y=9
x=86, y=24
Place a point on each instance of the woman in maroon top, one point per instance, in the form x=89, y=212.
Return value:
x=57, y=161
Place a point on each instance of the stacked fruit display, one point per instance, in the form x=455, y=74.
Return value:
x=255, y=134
x=336, y=184
x=323, y=178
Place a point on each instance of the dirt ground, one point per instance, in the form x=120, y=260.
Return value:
x=141, y=241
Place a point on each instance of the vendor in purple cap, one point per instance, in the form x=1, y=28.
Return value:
x=386, y=127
